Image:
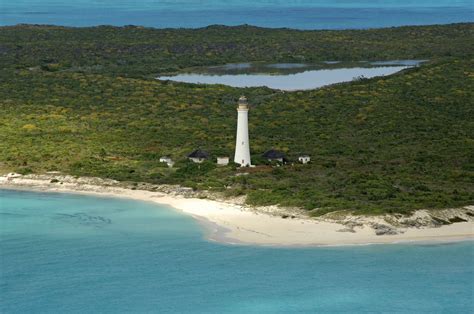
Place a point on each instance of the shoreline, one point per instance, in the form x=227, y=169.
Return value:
x=234, y=224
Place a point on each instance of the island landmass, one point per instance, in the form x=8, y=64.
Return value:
x=389, y=155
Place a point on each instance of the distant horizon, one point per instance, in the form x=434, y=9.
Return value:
x=228, y=26
x=303, y=15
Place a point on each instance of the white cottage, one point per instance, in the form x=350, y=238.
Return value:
x=222, y=161
x=304, y=159
x=167, y=160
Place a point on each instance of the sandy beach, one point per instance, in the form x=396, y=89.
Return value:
x=235, y=224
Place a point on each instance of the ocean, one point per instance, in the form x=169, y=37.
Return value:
x=66, y=253
x=301, y=14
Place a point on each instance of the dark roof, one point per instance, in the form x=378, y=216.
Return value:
x=274, y=154
x=199, y=154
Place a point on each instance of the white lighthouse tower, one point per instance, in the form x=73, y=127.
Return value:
x=242, y=146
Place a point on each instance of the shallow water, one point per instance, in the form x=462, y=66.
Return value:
x=310, y=79
x=63, y=253
x=302, y=14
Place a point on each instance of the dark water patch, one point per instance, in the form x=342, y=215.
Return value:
x=399, y=62
x=84, y=219
x=287, y=65
x=12, y=214
x=231, y=66
x=38, y=13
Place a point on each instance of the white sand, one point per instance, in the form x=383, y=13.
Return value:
x=234, y=224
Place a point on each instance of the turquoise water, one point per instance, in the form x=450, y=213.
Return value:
x=62, y=253
x=302, y=14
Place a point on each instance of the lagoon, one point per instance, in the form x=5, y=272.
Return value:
x=304, y=80
x=78, y=254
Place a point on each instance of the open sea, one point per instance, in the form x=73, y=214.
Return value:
x=65, y=253
x=301, y=14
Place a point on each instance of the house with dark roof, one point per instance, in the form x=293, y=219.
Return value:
x=198, y=156
x=274, y=155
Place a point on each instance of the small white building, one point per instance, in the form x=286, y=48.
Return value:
x=222, y=161
x=304, y=159
x=167, y=160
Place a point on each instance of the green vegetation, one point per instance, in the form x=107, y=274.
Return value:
x=81, y=100
x=138, y=51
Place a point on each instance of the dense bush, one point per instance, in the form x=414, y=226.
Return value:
x=138, y=51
